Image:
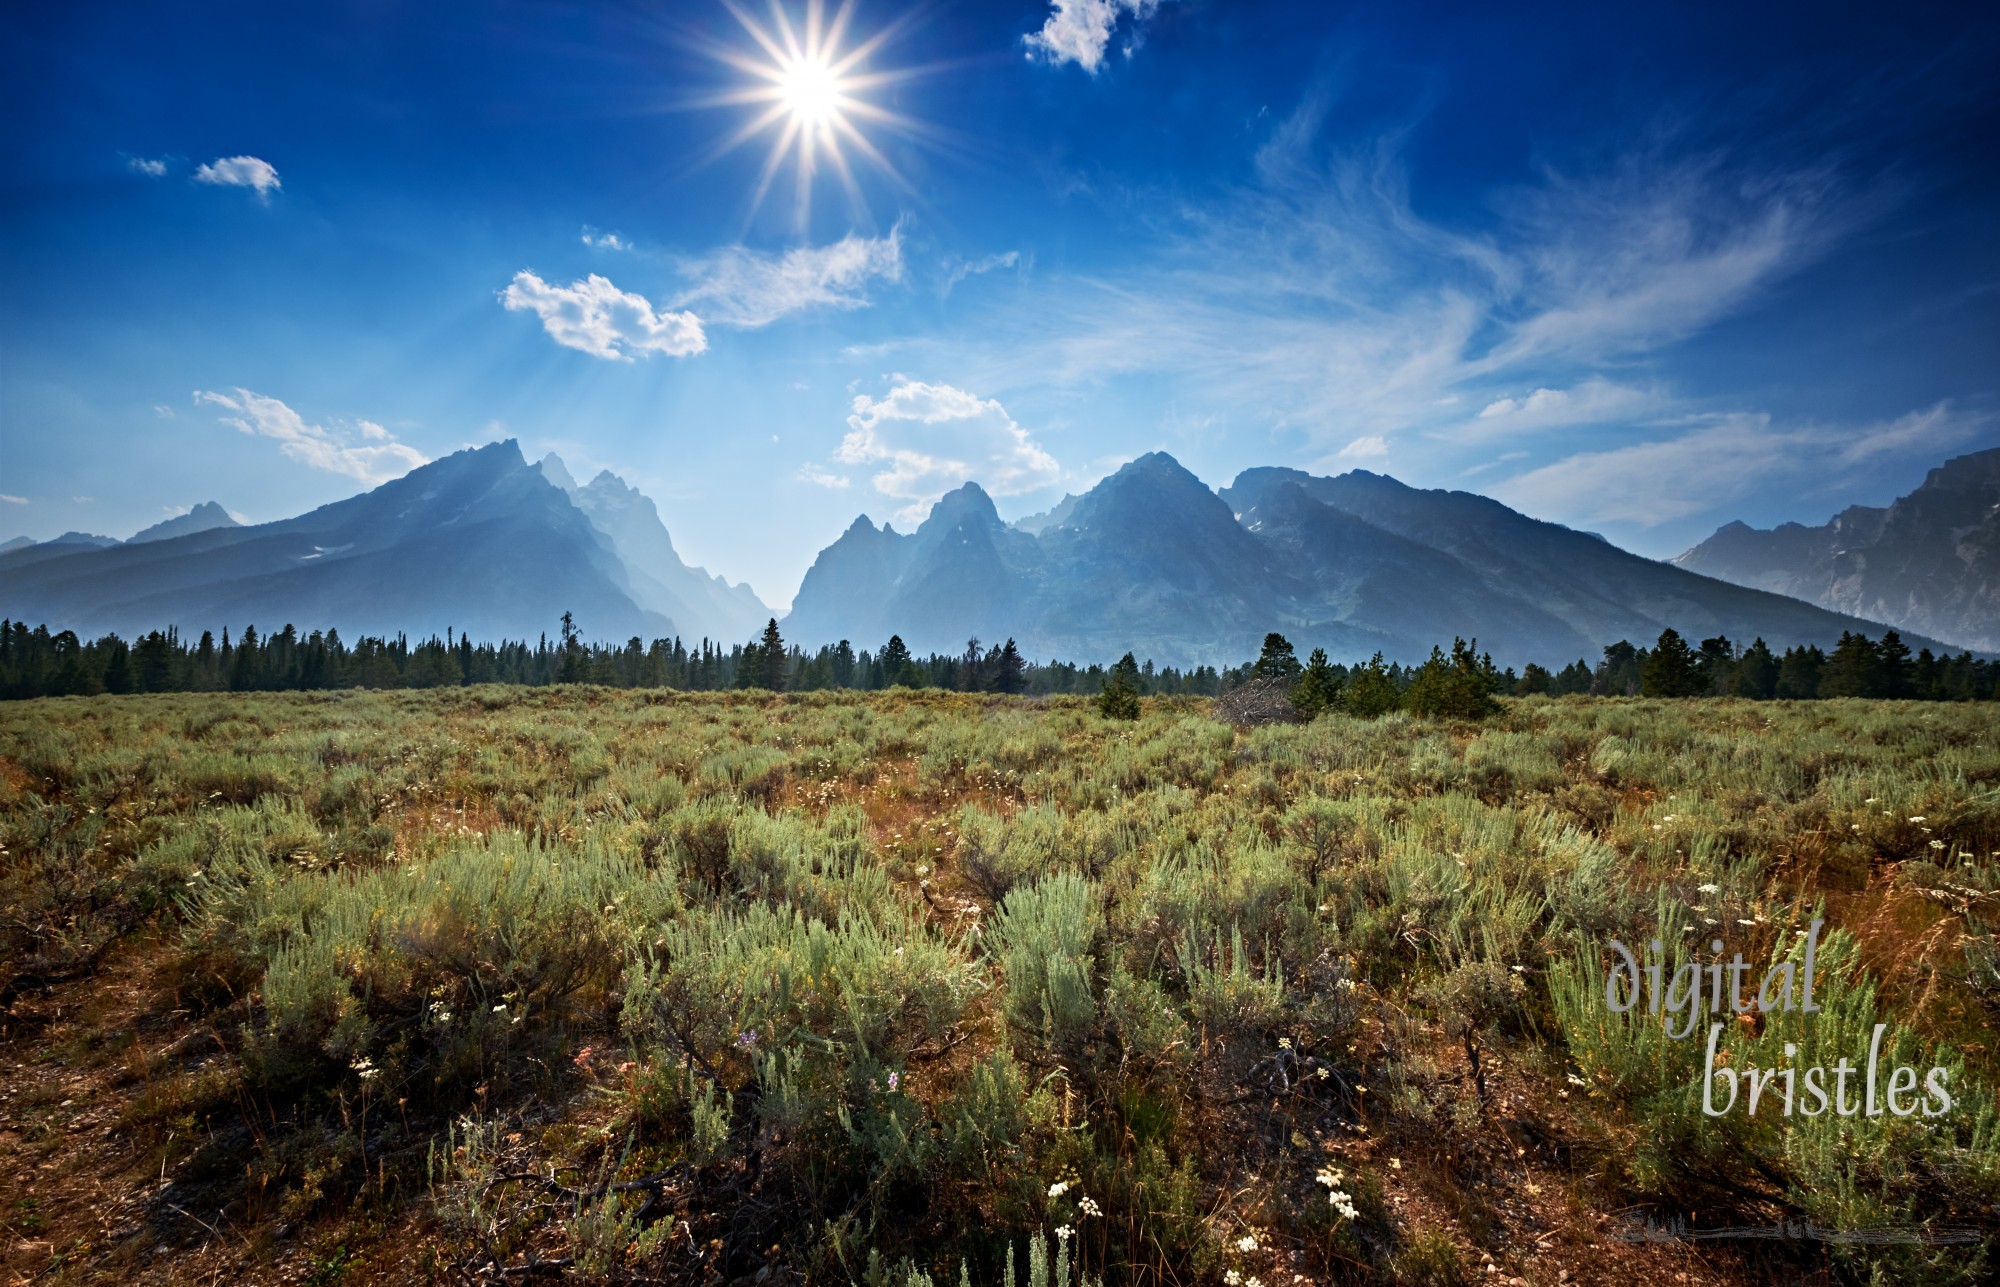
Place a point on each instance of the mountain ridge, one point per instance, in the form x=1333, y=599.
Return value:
x=1928, y=561
x=1153, y=561
x=1149, y=560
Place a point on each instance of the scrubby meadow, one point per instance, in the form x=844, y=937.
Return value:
x=485, y=984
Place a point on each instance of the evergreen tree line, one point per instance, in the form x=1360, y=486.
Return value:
x=37, y=663
x=1857, y=667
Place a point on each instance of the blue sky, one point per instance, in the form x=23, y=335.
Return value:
x=1641, y=269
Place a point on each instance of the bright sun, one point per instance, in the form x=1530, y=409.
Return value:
x=810, y=83
x=811, y=91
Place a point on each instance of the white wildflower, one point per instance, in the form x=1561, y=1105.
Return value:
x=1059, y=1188
x=1089, y=1207
x=1709, y=889
x=1248, y=1242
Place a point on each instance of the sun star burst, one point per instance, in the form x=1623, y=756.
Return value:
x=811, y=81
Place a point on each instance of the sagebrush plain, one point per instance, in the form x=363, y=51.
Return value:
x=535, y=984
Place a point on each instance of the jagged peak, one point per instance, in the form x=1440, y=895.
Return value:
x=606, y=481
x=968, y=500
x=555, y=471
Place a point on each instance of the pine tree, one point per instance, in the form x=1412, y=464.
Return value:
x=771, y=653
x=1618, y=673
x=1277, y=661
x=1318, y=687
x=1456, y=687
x=1120, y=696
x=1010, y=670
x=1854, y=669
x=1371, y=690
x=1756, y=673
x=1534, y=680
x=1715, y=667
x=1799, y=673
x=894, y=659
x=571, y=671
x=1895, y=671
x=1670, y=670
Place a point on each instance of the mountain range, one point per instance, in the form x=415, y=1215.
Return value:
x=1150, y=560
x=480, y=541
x=1153, y=560
x=1928, y=562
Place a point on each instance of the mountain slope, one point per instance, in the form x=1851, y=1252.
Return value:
x=1928, y=562
x=962, y=574
x=202, y=518
x=1596, y=590
x=700, y=605
x=478, y=541
x=1153, y=561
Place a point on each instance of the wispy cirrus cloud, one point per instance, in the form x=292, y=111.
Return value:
x=931, y=438
x=1080, y=31
x=1319, y=301
x=819, y=476
x=740, y=287
x=377, y=458
x=958, y=271
x=1593, y=400
x=1715, y=459
x=593, y=316
x=259, y=175
x=151, y=167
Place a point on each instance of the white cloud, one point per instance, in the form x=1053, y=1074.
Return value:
x=163, y=411
x=13, y=500
x=1317, y=301
x=595, y=317
x=740, y=287
x=965, y=268
x=604, y=240
x=1538, y=402
x=1365, y=448
x=1723, y=458
x=240, y=172
x=1079, y=31
x=934, y=437
x=372, y=431
x=1591, y=401
x=147, y=166
x=314, y=445
x=822, y=477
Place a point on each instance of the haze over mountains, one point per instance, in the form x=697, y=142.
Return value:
x=1929, y=562
x=480, y=541
x=1150, y=560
